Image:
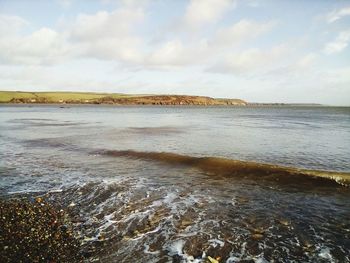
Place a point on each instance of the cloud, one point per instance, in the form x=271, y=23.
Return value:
x=11, y=25
x=44, y=46
x=339, y=44
x=108, y=35
x=171, y=53
x=44, y=78
x=105, y=24
x=201, y=12
x=104, y=35
x=306, y=61
x=338, y=14
x=249, y=61
x=241, y=31
x=176, y=52
x=300, y=68
x=93, y=50
x=113, y=36
x=128, y=3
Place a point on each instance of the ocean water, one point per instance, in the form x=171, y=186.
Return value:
x=178, y=184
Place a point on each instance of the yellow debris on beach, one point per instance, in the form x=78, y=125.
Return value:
x=212, y=260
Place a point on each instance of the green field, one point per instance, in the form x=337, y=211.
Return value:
x=7, y=96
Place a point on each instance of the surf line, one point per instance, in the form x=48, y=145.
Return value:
x=230, y=167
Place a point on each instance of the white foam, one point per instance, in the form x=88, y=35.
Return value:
x=108, y=221
x=145, y=234
x=176, y=247
x=326, y=254
x=214, y=242
x=147, y=251
x=260, y=260
x=232, y=259
x=55, y=191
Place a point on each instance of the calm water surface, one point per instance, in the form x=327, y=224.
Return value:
x=133, y=209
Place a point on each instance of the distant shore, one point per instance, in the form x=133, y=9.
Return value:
x=15, y=97
x=19, y=97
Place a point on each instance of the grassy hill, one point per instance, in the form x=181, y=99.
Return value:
x=110, y=98
x=7, y=96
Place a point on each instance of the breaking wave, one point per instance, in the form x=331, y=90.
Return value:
x=237, y=168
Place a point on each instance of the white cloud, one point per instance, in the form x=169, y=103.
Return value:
x=11, y=25
x=129, y=3
x=105, y=24
x=113, y=36
x=250, y=60
x=338, y=14
x=108, y=35
x=339, y=44
x=174, y=53
x=44, y=46
x=104, y=35
x=92, y=51
x=241, y=31
x=170, y=53
x=202, y=12
x=300, y=68
x=306, y=61
x=46, y=78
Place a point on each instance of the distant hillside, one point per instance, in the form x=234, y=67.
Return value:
x=18, y=97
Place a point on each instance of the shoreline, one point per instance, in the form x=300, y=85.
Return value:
x=67, y=105
x=112, y=98
x=120, y=99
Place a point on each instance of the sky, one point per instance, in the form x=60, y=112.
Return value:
x=257, y=50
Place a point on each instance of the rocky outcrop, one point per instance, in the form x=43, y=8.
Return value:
x=30, y=100
x=169, y=100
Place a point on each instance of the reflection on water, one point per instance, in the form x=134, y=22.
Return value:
x=132, y=207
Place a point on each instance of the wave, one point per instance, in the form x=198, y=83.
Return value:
x=230, y=167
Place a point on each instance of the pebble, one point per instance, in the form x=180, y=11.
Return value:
x=35, y=231
x=257, y=236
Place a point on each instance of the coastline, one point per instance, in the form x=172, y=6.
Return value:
x=117, y=99
x=248, y=105
x=113, y=99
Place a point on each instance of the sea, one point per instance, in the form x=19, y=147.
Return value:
x=181, y=183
